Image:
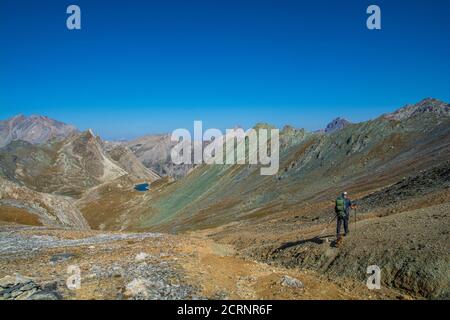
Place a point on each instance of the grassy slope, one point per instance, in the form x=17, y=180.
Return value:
x=360, y=158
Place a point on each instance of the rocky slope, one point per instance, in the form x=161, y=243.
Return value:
x=129, y=162
x=34, y=129
x=410, y=247
x=154, y=152
x=360, y=158
x=379, y=162
x=70, y=166
x=67, y=167
x=426, y=106
x=409, y=190
x=21, y=205
x=151, y=266
x=314, y=167
x=406, y=237
x=36, y=173
x=395, y=167
x=335, y=125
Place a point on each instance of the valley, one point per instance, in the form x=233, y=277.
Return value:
x=226, y=231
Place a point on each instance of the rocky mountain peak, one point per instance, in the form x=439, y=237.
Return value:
x=34, y=129
x=336, y=125
x=18, y=117
x=90, y=133
x=263, y=125
x=289, y=130
x=426, y=106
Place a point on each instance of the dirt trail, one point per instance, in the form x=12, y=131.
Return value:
x=410, y=246
x=158, y=266
x=223, y=274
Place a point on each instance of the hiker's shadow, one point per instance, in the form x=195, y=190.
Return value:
x=316, y=240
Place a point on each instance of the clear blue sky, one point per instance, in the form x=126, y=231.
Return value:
x=141, y=67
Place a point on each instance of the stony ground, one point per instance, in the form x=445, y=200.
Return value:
x=35, y=263
x=411, y=246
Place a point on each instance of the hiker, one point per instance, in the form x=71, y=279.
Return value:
x=342, y=209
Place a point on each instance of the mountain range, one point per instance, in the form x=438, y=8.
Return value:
x=395, y=167
x=34, y=129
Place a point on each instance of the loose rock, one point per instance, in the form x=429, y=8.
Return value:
x=288, y=281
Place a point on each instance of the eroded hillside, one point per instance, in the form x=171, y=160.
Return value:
x=270, y=236
x=314, y=167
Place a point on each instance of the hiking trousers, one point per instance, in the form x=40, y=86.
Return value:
x=340, y=221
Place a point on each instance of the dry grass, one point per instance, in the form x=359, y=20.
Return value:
x=18, y=216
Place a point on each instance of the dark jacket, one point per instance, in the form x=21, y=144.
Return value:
x=348, y=205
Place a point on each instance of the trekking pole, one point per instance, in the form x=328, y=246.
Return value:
x=326, y=226
x=355, y=222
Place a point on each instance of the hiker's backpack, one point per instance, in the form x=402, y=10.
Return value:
x=340, y=207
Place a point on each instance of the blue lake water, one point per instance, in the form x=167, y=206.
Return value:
x=142, y=187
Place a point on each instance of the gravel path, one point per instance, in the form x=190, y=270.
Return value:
x=13, y=242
